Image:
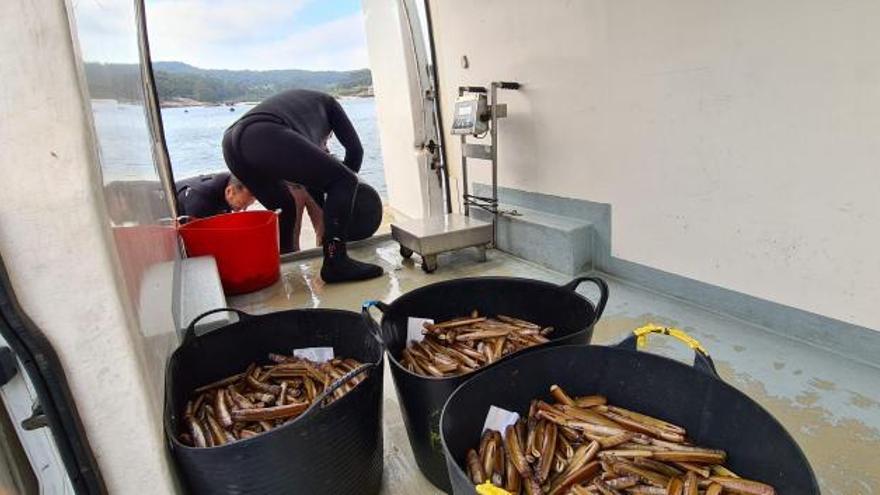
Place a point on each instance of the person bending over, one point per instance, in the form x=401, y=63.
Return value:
x=282, y=140
x=212, y=194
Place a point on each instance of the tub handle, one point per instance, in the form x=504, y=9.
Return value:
x=374, y=304
x=603, y=292
x=190, y=332
x=376, y=328
x=639, y=337
x=372, y=326
x=318, y=403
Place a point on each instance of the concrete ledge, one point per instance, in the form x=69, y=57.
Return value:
x=556, y=242
x=198, y=289
x=317, y=252
x=851, y=341
x=596, y=214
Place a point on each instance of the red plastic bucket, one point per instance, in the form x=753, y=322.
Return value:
x=245, y=245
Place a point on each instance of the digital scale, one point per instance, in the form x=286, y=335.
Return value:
x=476, y=114
x=471, y=110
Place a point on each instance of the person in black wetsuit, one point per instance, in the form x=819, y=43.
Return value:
x=212, y=194
x=283, y=140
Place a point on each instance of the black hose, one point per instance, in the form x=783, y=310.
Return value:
x=438, y=117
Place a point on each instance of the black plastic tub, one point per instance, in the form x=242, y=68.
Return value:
x=421, y=398
x=329, y=449
x=714, y=413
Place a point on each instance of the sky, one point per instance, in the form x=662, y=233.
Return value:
x=230, y=34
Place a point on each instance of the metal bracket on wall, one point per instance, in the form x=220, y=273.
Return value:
x=478, y=151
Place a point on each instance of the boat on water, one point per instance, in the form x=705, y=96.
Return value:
x=715, y=163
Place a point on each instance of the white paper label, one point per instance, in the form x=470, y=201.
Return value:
x=414, y=327
x=315, y=354
x=499, y=419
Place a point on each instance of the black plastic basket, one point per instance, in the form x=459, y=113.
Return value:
x=329, y=449
x=421, y=398
x=715, y=414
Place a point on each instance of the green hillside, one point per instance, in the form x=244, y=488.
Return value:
x=176, y=80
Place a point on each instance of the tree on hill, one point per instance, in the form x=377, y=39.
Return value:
x=180, y=80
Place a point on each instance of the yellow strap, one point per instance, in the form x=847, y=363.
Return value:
x=642, y=333
x=488, y=488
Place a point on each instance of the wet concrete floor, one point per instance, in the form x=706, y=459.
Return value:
x=830, y=405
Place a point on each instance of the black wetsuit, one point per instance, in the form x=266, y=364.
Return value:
x=281, y=139
x=204, y=195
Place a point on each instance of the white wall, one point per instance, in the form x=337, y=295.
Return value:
x=737, y=142
x=58, y=248
x=412, y=188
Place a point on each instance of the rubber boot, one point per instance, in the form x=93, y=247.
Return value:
x=338, y=267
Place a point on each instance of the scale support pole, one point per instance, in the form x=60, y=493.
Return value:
x=493, y=104
x=464, y=178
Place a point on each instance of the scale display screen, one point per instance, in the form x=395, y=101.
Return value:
x=467, y=116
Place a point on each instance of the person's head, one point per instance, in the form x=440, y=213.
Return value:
x=238, y=196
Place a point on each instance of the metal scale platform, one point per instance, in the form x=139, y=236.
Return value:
x=476, y=114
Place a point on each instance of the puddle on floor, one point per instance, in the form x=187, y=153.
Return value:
x=843, y=452
x=862, y=401
x=301, y=285
x=613, y=328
